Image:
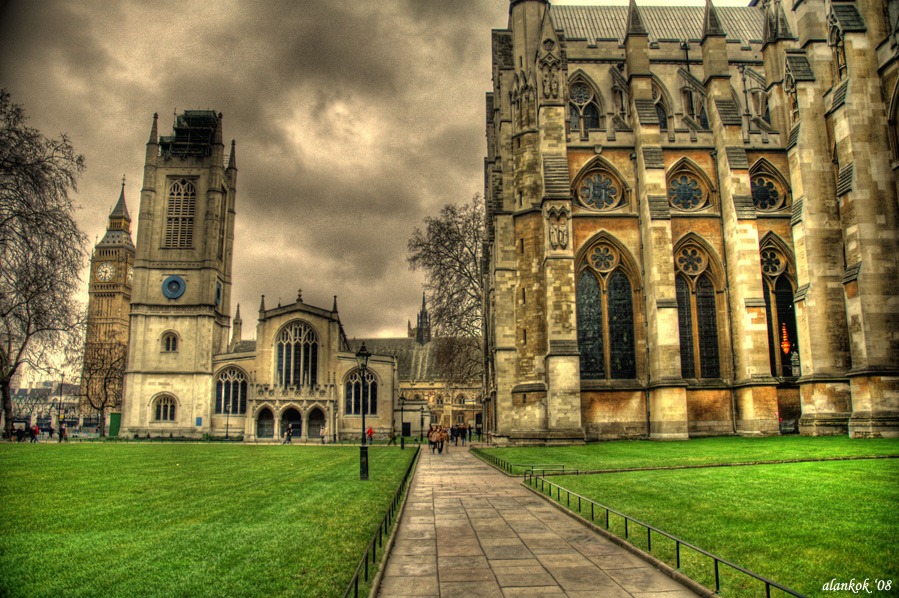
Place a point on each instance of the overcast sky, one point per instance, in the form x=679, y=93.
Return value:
x=354, y=120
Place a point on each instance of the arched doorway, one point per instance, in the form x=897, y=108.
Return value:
x=292, y=417
x=315, y=419
x=265, y=424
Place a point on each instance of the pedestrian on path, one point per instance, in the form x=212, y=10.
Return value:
x=323, y=432
x=288, y=435
x=371, y=434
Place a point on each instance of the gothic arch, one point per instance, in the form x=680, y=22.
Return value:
x=264, y=405
x=770, y=189
x=295, y=354
x=610, y=192
x=586, y=105
x=714, y=266
x=689, y=188
x=663, y=101
x=773, y=242
x=230, y=390
x=157, y=407
x=626, y=261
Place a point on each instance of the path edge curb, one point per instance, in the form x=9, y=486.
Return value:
x=388, y=547
x=665, y=568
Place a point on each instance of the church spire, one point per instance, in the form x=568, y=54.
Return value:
x=154, y=135
x=118, y=227
x=120, y=211
x=232, y=159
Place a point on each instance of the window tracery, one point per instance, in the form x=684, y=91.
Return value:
x=688, y=188
x=778, y=290
x=297, y=355
x=601, y=189
x=769, y=190
x=605, y=316
x=169, y=342
x=837, y=47
x=584, y=113
x=697, y=313
x=165, y=409
x=231, y=392
x=361, y=393
x=180, y=210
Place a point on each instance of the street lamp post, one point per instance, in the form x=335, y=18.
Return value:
x=59, y=409
x=421, y=423
x=402, y=420
x=362, y=357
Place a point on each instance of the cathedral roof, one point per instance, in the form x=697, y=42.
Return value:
x=593, y=23
x=244, y=347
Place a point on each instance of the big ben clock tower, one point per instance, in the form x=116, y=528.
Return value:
x=111, y=276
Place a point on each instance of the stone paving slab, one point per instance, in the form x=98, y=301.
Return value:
x=469, y=531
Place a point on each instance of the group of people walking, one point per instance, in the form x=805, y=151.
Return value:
x=288, y=434
x=440, y=437
x=34, y=432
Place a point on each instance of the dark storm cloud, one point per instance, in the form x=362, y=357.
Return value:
x=353, y=122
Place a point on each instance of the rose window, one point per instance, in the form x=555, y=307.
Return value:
x=580, y=94
x=600, y=192
x=765, y=194
x=772, y=263
x=685, y=193
x=603, y=258
x=691, y=261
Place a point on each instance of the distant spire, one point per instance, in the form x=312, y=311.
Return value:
x=334, y=309
x=153, y=131
x=232, y=159
x=423, y=301
x=237, y=319
x=711, y=23
x=121, y=209
x=634, y=24
x=262, y=305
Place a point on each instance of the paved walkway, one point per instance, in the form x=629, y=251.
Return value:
x=468, y=531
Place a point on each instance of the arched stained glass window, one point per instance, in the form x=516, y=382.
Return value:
x=165, y=409
x=231, y=392
x=685, y=326
x=707, y=325
x=589, y=326
x=621, y=327
x=697, y=314
x=361, y=394
x=591, y=117
x=780, y=312
x=605, y=317
x=297, y=356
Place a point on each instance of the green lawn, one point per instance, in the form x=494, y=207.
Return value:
x=798, y=524
x=627, y=454
x=188, y=520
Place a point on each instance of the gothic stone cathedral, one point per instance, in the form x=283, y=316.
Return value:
x=692, y=221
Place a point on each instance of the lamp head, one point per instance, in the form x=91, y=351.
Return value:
x=362, y=356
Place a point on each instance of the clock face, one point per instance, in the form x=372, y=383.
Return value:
x=129, y=278
x=105, y=272
x=173, y=287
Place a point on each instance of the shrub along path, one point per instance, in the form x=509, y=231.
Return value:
x=468, y=530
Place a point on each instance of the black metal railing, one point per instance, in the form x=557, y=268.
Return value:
x=370, y=556
x=525, y=468
x=540, y=484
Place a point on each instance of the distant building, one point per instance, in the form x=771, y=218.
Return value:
x=692, y=221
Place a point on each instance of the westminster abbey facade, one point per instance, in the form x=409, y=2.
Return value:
x=692, y=221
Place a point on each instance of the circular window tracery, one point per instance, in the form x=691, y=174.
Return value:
x=580, y=94
x=685, y=192
x=691, y=260
x=772, y=262
x=766, y=194
x=604, y=258
x=599, y=191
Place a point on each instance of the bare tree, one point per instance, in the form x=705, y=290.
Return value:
x=459, y=360
x=41, y=248
x=102, y=378
x=26, y=403
x=449, y=252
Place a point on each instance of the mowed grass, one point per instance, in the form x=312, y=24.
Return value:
x=626, y=454
x=188, y=520
x=800, y=524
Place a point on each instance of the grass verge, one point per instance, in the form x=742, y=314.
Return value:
x=800, y=525
x=188, y=520
x=626, y=454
